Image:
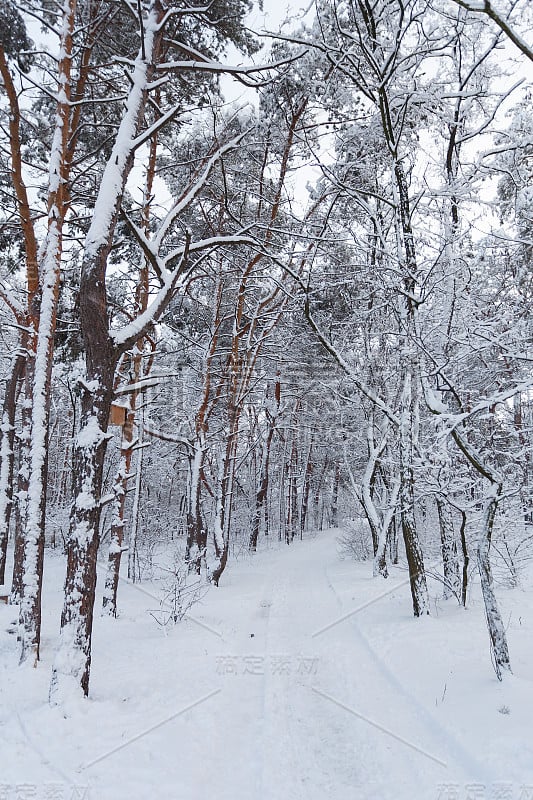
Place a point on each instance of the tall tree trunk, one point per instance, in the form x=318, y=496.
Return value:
x=291, y=524
x=73, y=661
x=409, y=399
x=7, y=455
x=21, y=496
x=306, y=489
x=387, y=521
x=195, y=553
x=116, y=545
x=262, y=491
x=466, y=560
x=42, y=353
x=495, y=625
x=452, y=581
x=335, y=497
x=413, y=550
x=225, y=499
x=133, y=567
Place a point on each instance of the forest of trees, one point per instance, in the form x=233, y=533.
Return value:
x=230, y=322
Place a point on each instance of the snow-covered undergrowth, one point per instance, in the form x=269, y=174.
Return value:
x=300, y=678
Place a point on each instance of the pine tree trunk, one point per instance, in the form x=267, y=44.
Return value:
x=73, y=662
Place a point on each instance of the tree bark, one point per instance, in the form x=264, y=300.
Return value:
x=494, y=621
x=452, y=581
x=7, y=455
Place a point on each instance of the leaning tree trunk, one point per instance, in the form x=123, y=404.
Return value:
x=498, y=639
x=495, y=626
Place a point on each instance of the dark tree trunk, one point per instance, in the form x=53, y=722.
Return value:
x=306, y=490
x=464, y=581
x=262, y=492
x=83, y=539
x=335, y=497
x=392, y=538
x=73, y=662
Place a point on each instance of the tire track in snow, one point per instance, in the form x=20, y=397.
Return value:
x=311, y=745
x=456, y=753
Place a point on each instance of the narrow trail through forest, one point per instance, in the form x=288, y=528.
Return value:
x=375, y=737
x=300, y=678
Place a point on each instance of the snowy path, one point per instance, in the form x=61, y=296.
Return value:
x=311, y=746
x=276, y=690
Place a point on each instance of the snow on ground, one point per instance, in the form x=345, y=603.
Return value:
x=300, y=678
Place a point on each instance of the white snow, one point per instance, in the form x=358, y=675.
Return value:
x=278, y=688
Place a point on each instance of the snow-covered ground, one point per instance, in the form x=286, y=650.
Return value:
x=300, y=678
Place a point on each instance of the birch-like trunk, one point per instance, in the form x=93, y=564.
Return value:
x=7, y=455
x=413, y=550
x=21, y=499
x=133, y=567
x=42, y=355
x=452, y=581
x=495, y=626
x=116, y=545
x=408, y=416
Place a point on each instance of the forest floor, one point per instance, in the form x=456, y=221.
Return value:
x=300, y=678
